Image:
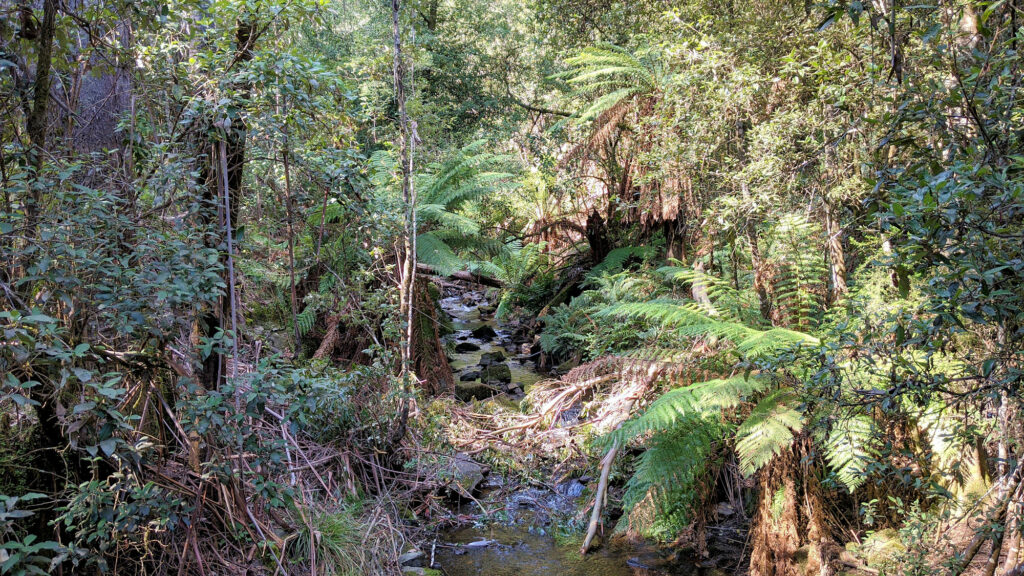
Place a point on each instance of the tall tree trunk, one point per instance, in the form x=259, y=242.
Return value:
x=234, y=139
x=408, y=269
x=760, y=283
x=37, y=119
x=225, y=169
x=836, y=256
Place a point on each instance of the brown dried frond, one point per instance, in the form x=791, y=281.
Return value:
x=604, y=127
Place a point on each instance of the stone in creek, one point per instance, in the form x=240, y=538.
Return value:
x=466, y=474
x=484, y=332
x=413, y=558
x=496, y=373
x=467, y=391
x=463, y=347
x=573, y=488
x=488, y=358
x=470, y=376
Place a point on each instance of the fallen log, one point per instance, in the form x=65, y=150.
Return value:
x=461, y=275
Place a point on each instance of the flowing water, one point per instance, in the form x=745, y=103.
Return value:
x=523, y=545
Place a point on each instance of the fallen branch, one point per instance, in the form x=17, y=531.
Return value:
x=600, y=498
x=461, y=275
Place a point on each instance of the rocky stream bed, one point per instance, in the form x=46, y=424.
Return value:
x=520, y=534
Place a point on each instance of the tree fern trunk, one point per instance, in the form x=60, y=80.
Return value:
x=430, y=362
x=775, y=532
x=790, y=515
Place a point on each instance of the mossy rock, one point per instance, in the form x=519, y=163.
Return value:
x=489, y=358
x=468, y=391
x=496, y=373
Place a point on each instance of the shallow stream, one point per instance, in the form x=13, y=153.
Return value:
x=524, y=544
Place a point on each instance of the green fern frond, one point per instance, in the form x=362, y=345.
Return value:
x=433, y=252
x=615, y=260
x=695, y=400
x=305, y=320
x=769, y=429
x=669, y=471
x=610, y=63
x=849, y=449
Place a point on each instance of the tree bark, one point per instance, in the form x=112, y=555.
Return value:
x=760, y=284
x=836, y=255
x=407, y=279
x=37, y=119
x=790, y=505
x=597, y=237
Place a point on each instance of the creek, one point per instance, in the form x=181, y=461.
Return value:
x=520, y=540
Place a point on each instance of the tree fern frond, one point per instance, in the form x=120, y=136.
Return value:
x=768, y=430
x=615, y=259
x=671, y=466
x=763, y=343
x=305, y=320
x=435, y=253
x=690, y=401
x=850, y=447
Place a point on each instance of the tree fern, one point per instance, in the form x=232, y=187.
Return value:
x=769, y=429
x=445, y=232
x=305, y=320
x=849, y=447
x=800, y=281
x=614, y=73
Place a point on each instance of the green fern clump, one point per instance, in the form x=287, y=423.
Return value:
x=799, y=282
x=665, y=485
x=578, y=328
x=448, y=238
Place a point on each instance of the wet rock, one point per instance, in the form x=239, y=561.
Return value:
x=413, y=558
x=470, y=376
x=484, y=332
x=488, y=358
x=463, y=347
x=725, y=510
x=487, y=309
x=573, y=488
x=496, y=373
x=466, y=474
x=468, y=391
